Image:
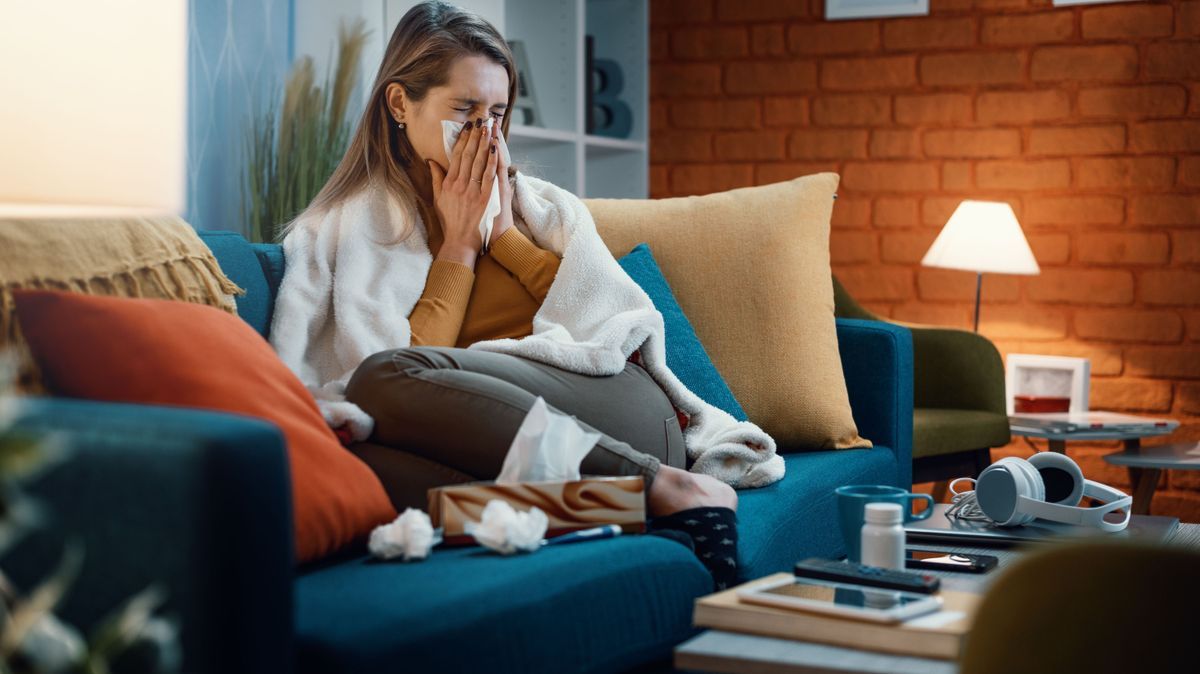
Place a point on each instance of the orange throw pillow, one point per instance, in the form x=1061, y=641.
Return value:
x=177, y=353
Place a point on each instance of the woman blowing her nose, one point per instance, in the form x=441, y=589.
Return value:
x=430, y=344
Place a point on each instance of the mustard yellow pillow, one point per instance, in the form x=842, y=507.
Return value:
x=750, y=268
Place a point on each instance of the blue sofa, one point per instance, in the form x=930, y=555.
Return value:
x=199, y=501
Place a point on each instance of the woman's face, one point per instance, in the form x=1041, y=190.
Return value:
x=477, y=88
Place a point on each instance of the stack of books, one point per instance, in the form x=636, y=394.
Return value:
x=938, y=635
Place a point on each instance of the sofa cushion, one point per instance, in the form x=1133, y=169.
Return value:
x=239, y=261
x=750, y=268
x=941, y=431
x=589, y=607
x=794, y=518
x=175, y=353
x=686, y=356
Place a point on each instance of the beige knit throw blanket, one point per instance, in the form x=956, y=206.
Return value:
x=157, y=257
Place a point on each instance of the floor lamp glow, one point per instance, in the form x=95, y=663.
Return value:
x=983, y=237
x=94, y=115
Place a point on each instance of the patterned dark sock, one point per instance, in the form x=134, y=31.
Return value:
x=714, y=538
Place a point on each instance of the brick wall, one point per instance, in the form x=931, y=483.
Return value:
x=1085, y=119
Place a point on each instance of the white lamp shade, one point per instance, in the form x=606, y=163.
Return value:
x=982, y=236
x=94, y=114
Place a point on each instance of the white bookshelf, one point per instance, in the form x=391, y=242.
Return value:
x=553, y=32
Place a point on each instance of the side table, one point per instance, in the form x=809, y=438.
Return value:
x=1146, y=465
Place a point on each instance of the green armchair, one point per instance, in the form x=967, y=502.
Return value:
x=958, y=398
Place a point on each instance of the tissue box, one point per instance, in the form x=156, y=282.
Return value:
x=570, y=505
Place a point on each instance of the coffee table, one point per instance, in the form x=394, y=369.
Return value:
x=1146, y=464
x=734, y=653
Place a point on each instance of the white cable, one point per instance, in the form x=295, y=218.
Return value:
x=964, y=505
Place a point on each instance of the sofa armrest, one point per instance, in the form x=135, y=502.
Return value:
x=956, y=369
x=198, y=502
x=877, y=361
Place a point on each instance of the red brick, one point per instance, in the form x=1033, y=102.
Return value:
x=1146, y=101
x=827, y=144
x=846, y=247
x=1074, y=211
x=1127, y=21
x=1170, y=287
x=693, y=79
x=768, y=40
x=834, y=37
x=906, y=248
x=927, y=33
x=973, y=143
x=1194, y=98
x=1122, y=248
x=710, y=44
x=708, y=178
x=1077, y=140
x=973, y=68
x=1188, y=19
x=851, y=212
x=888, y=144
x=770, y=77
x=878, y=283
x=883, y=72
x=659, y=117
x=1189, y=171
x=1173, y=60
x=1084, y=64
x=1023, y=175
x=1166, y=209
x=950, y=284
x=895, y=212
x=672, y=146
x=1185, y=247
x=1161, y=361
x=1036, y=28
x=715, y=114
x=1022, y=106
x=660, y=44
x=1105, y=358
x=785, y=111
x=1189, y=397
x=658, y=182
x=854, y=110
x=1165, y=136
x=1192, y=319
x=1050, y=248
x=1019, y=321
x=738, y=145
x=672, y=12
x=1134, y=395
x=1184, y=505
x=890, y=176
x=761, y=10
x=1081, y=286
x=1123, y=325
x=942, y=6
x=957, y=176
x=780, y=171
x=933, y=108
x=1124, y=172
x=944, y=315
x=936, y=211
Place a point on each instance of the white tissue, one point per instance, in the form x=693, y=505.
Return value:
x=411, y=536
x=548, y=446
x=507, y=531
x=450, y=131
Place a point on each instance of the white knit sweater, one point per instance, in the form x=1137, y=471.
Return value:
x=347, y=291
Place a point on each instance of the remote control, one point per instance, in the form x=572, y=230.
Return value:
x=857, y=574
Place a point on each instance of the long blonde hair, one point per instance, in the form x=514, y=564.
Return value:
x=426, y=42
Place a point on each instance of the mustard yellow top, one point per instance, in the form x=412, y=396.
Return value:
x=497, y=300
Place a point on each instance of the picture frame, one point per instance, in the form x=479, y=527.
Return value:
x=863, y=9
x=1036, y=377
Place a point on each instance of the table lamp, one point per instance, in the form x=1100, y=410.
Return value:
x=982, y=236
x=95, y=108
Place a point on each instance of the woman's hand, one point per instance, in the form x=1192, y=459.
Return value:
x=505, y=220
x=461, y=193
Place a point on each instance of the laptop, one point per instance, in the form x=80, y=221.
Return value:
x=951, y=531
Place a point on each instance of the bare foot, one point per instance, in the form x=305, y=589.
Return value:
x=674, y=489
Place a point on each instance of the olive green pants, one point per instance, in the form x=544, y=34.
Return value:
x=446, y=415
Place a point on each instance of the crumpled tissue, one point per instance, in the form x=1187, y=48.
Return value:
x=507, y=531
x=410, y=536
x=549, y=446
x=450, y=130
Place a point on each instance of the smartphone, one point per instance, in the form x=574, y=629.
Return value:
x=840, y=599
x=949, y=561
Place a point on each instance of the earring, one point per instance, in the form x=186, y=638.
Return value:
x=400, y=125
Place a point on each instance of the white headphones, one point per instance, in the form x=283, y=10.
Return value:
x=1049, y=486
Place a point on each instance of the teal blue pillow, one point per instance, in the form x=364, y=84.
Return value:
x=685, y=354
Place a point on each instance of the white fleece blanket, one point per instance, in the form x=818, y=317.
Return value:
x=346, y=294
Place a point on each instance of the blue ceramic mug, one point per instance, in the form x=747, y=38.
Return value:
x=853, y=499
